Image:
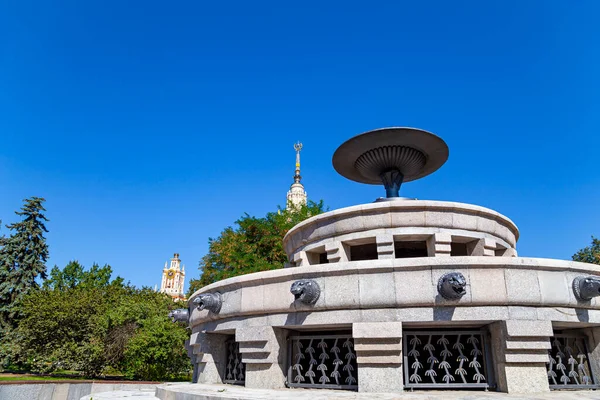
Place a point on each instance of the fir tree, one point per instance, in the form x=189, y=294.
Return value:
x=23, y=256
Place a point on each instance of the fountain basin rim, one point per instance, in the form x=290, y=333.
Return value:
x=402, y=206
x=433, y=147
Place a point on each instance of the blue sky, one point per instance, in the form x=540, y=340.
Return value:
x=150, y=126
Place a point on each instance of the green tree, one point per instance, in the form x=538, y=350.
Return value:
x=74, y=275
x=589, y=254
x=255, y=244
x=23, y=256
x=85, y=321
x=157, y=351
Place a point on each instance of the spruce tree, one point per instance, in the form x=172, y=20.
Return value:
x=23, y=256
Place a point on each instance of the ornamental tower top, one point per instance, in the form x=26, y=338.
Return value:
x=296, y=196
x=173, y=278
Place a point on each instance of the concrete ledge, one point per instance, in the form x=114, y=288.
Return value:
x=72, y=390
x=400, y=214
x=403, y=283
x=231, y=392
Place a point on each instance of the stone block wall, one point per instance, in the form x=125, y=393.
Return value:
x=263, y=352
x=520, y=354
x=378, y=348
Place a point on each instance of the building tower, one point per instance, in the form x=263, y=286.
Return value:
x=173, y=278
x=296, y=196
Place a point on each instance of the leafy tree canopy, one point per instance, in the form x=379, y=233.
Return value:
x=254, y=244
x=589, y=254
x=82, y=320
x=73, y=275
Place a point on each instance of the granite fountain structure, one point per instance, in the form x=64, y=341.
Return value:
x=401, y=294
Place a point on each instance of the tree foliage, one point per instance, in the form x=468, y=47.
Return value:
x=74, y=275
x=589, y=254
x=84, y=321
x=254, y=244
x=80, y=319
x=23, y=257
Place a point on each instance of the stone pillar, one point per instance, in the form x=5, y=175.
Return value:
x=209, y=357
x=439, y=245
x=510, y=252
x=378, y=347
x=593, y=342
x=262, y=349
x=385, y=246
x=483, y=247
x=521, y=353
x=300, y=259
x=335, y=252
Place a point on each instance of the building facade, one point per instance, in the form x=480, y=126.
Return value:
x=173, y=278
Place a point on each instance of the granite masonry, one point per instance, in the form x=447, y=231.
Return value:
x=405, y=294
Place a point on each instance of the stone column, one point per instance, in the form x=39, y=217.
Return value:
x=521, y=353
x=385, y=246
x=335, y=252
x=483, y=247
x=593, y=342
x=378, y=347
x=300, y=259
x=262, y=349
x=209, y=357
x=439, y=245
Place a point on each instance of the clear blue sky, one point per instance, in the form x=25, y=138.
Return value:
x=149, y=126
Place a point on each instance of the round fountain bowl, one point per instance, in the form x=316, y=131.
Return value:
x=414, y=152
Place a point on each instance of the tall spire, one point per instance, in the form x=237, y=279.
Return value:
x=298, y=148
x=297, y=196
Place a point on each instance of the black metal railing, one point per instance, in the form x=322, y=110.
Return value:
x=323, y=361
x=569, y=366
x=446, y=359
x=235, y=370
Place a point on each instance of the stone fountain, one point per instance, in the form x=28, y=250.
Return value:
x=401, y=294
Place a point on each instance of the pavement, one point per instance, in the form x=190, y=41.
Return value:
x=231, y=392
x=145, y=394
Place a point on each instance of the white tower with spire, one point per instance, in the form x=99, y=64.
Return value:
x=296, y=196
x=173, y=278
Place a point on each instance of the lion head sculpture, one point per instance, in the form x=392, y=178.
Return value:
x=586, y=287
x=451, y=286
x=209, y=301
x=306, y=290
x=179, y=315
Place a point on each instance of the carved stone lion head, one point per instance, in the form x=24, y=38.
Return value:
x=586, y=287
x=209, y=301
x=306, y=290
x=179, y=315
x=451, y=286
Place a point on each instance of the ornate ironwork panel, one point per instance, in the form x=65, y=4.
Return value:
x=446, y=359
x=324, y=361
x=569, y=366
x=235, y=371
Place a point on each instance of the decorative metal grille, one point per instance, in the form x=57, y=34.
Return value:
x=235, y=371
x=325, y=361
x=569, y=366
x=445, y=359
